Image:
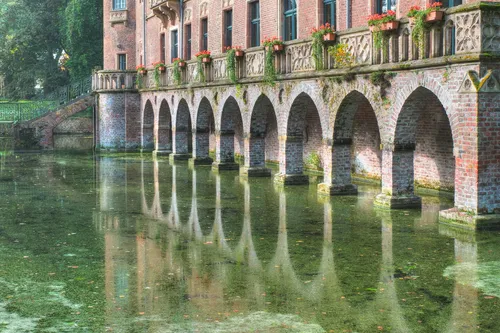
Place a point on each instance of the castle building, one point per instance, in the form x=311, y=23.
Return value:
x=403, y=101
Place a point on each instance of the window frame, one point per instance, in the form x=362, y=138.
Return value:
x=119, y=56
x=333, y=12
x=204, y=34
x=254, y=23
x=119, y=5
x=189, y=39
x=228, y=28
x=379, y=6
x=174, y=44
x=163, y=48
x=290, y=12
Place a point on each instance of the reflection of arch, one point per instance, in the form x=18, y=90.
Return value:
x=217, y=235
x=148, y=119
x=229, y=141
x=182, y=131
x=164, y=136
x=193, y=227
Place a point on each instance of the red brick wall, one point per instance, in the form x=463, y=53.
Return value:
x=128, y=39
x=119, y=38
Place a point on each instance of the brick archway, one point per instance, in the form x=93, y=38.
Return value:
x=229, y=139
x=182, y=144
x=164, y=134
x=202, y=131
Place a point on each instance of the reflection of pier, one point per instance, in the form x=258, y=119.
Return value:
x=205, y=269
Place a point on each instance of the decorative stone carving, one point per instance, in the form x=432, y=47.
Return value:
x=118, y=16
x=191, y=72
x=468, y=32
x=472, y=83
x=227, y=3
x=301, y=57
x=359, y=46
x=187, y=15
x=220, y=72
x=490, y=31
x=166, y=11
x=204, y=9
x=254, y=63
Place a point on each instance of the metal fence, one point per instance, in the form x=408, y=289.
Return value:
x=23, y=111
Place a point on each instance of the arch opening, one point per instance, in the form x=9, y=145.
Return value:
x=262, y=144
x=183, y=135
x=164, y=136
x=423, y=145
x=229, y=144
x=203, y=134
x=303, y=148
x=356, y=143
x=147, y=127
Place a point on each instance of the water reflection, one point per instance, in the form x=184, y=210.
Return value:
x=166, y=272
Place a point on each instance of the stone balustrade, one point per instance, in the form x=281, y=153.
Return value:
x=466, y=33
x=114, y=80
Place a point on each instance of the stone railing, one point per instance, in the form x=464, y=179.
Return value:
x=466, y=32
x=114, y=80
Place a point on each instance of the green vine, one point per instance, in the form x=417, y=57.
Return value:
x=231, y=65
x=176, y=72
x=317, y=52
x=419, y=28
x=269, y=69
x=157, y=73
x=138, y=81
x=200, y=75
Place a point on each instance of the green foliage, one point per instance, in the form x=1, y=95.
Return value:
x=34, y=36
x=176, y=72
x=269, y=69
x=200, y=73
x=317, y=48
x=419, y=28
x=341, y=55
x=381, y=79
x=231, y=65
x=313, y=161
x=157, y=74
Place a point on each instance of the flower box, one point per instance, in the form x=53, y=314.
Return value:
x=434, y=16
x=162, y=69
x=329, y=37
x=206, y=60
x=391, y=25
x=278, y=47
x=238, y=53
x=143, y=72
x=181, y=64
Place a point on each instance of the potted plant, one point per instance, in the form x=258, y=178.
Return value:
x=176, y=72
x=324, y=33
x=141, y=69
x=274, y=43
x=181, y=63
x=379, y=23
x=413, y=13
x=435, y=13
x=238, y=52
x=204, y=56
x=160, y=66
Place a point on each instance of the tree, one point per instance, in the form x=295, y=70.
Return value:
x=35, y=34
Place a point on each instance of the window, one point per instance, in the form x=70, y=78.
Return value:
x=174, y=45
x=290, y=28
x=119, y=4
x=329, y=12
x=122, y=62
x=254, y=24
x=228, y=28
x=187, y=30
x=385, y=5
x=162, y=48
x=204, y=34
x=451, y=3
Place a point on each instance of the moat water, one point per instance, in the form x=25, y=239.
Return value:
x=131, y=244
